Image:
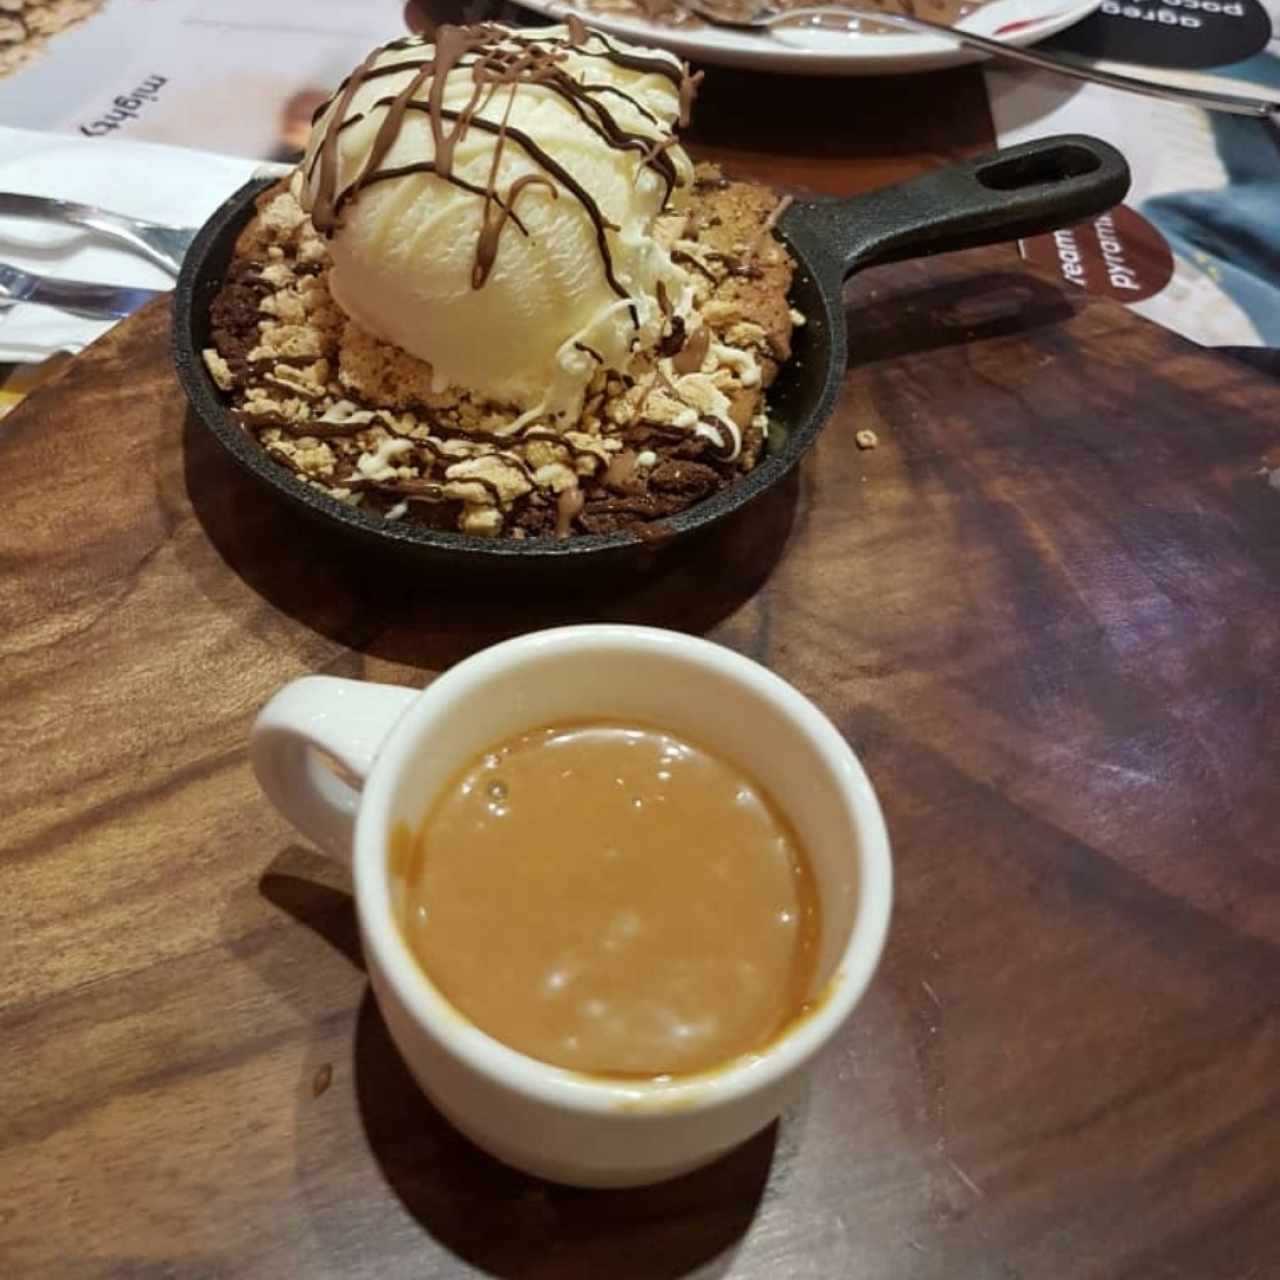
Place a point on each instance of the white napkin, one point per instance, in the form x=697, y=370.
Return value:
x=164, y=184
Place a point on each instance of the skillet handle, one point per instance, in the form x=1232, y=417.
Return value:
x=1020, y=191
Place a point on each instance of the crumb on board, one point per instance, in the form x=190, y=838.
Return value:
x=322, y=1079
x=866, y=439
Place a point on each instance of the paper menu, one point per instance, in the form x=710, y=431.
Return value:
x=1198, y=239
x=238, y=76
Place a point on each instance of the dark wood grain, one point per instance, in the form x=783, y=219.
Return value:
x=839, y=136
x=1042, y=610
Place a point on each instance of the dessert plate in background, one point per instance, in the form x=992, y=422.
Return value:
x=836, y=53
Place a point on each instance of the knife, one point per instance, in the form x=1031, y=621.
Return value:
x=78, y=297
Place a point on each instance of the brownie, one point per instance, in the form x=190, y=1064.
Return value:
x=360, y=419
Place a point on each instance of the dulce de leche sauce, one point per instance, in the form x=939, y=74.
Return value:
x=612, y=899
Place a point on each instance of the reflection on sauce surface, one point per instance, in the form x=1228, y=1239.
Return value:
x=612, y=899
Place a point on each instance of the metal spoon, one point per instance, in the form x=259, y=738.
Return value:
x=163, y=245
x=765, y=15
x=158, y=242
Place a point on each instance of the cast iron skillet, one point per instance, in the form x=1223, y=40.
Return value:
x=1024, y=190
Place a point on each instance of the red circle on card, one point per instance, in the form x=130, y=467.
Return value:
x=1118, y=254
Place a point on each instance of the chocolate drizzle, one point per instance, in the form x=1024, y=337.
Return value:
x=634, y=60
x=569, y=504
x=490, y=226
x=684, y=259
x=600, y=90
x=496, y=58
x=400, y=486
x=688, y=90
x=425, y=166
x=691, y=355
x=324, y=215
x=734, y=266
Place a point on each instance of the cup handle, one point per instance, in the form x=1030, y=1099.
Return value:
x=312, y=747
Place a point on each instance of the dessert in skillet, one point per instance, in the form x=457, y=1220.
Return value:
x=496, y=296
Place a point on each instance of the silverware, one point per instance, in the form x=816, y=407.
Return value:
x=165, y=246
x=78, y=297
x=764, y=15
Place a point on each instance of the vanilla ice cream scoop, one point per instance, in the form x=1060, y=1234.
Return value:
x=489, y=198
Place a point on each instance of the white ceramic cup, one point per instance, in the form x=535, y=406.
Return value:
x=397, y=747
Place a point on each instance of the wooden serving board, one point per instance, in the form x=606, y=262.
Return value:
x=1044, y=611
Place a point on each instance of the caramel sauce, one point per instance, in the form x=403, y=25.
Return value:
x=612, y=899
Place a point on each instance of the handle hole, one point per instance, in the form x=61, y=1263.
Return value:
x=1059, y=164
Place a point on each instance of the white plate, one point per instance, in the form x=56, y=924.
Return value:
x=820, y=53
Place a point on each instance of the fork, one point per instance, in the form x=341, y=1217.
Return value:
x=160, y=244
x=82, y=298
x=765, y=15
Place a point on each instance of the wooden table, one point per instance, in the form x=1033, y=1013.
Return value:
x=1043, y=611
